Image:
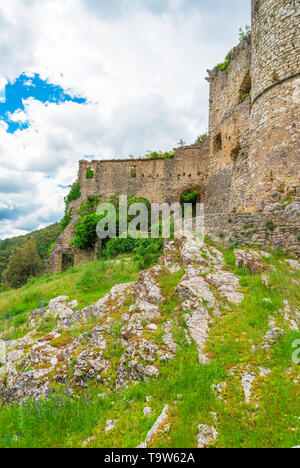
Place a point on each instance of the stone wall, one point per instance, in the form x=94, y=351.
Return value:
x=63, y=246
x=228, y=116
x=251, y=157
x=271, y=226
x=157, y=180
x=275, y=108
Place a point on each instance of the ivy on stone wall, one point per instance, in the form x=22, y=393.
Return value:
x=224, y=65
x=73, y=195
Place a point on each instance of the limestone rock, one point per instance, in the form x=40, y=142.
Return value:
x=293, y=264
x=197, y=323
x=160, y=420
x=196, y=288
x=206, y=435
x=272, y=336
x=247, y=381
x=249, y=259
x=228, y=285
x=147, y=411
x=110, y=424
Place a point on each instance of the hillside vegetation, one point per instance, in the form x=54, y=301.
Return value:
x=201, y=344
x=44, y=238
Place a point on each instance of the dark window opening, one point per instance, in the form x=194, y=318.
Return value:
x=192, y=197
x=67, y=261
x=90, y=173
x=218, y=142
x=133, y=171
x=235, y=152
x=245, y=88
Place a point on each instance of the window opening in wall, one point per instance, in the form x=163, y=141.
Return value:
x=245, y=88
x=217, y=142
x=191, y=196
x=67, y=261
x=133, y=171
x=90, y=173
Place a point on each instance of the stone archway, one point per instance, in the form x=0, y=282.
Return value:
x=192, y=195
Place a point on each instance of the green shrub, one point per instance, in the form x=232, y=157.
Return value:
x=270, y=226
x=3, y=288
x=201, y=138
x=74, y=193
x=242, y=33
x=23, y=264
x=66, y=219
x=224, y=65
x=85, y=228
x=160, y=154
x=85, y=232
x=90, y=205
x=51, y=247
x=244, y=97
x=147, y=252
x=118, y=246
x=189, y=196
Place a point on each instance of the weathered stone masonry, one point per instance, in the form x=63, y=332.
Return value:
x=251, y=159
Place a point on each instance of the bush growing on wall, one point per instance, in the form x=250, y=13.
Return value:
x=85, y=228
x=201, y=138
x=224, y=65
x=74, y=193
x=85, y=232
x=160, y=154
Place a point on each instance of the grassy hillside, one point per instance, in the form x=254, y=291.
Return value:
x=86, y=283
x=44, y=238
x=270, y=419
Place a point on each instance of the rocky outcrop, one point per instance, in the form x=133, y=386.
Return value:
x=128, y=322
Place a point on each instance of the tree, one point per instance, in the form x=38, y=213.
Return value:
x=24, y=263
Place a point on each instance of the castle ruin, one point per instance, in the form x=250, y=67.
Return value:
x=250, y=159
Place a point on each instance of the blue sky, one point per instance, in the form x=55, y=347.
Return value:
x=99, y=79
x=25, y=87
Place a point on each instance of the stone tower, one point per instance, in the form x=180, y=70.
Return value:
x=275, y=98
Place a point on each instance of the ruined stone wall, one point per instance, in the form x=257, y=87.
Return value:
x=273, y=225
x=63, y=246
x=229, y=116
x=251, y=158
x=157, y=180
x=275, y=108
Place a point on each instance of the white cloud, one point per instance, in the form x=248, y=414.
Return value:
x=141, y=67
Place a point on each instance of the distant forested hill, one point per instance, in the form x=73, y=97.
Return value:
x=44, y=238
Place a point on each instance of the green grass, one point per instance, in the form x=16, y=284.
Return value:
x=76, y=421
x=183, y=383
x=86, y=283
x=271, y=423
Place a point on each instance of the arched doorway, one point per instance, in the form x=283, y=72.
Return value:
x=192, y=196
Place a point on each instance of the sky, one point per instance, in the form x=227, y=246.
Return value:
x=99, y=79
